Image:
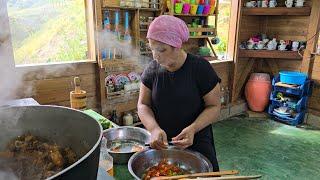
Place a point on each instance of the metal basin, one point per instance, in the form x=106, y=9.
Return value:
x=127, y=137
x=190, y=161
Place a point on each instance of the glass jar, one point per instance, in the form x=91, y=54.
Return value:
x=106, y=160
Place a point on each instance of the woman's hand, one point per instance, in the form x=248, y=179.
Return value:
x=158, y=139
x=185, y=138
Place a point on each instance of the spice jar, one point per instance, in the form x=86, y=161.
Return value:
x=127, y=119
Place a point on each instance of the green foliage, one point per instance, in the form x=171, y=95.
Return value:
x=48, y=31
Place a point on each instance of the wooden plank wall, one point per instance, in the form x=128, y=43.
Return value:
x=292, y=28
x=51, y=84
x=314, y=101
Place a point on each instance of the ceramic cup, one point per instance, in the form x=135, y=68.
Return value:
x=259, y=3
x=193, y=9
x=251, y=4
x=186, y=8
x=206, y=10
x=295, y=45
x=200, y=9
x=282, y=47
x=265, y=3
x=212, y=8
x=289, y=3
x=250, y=46
x=272, y=3
x=260, y=46
x=178, y=8
x=299, y=3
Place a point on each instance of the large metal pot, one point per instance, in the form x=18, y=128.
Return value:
x=64, y=126
x=190, y=161
x=126, y=137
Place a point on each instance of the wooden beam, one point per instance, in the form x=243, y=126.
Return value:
x=312, y=37
x=6, y=51
x=283, y=11
x=90, y=11
x=100, y=82
x=242, y=78
x=271, y=54
x=273, y=66
x=236, y=8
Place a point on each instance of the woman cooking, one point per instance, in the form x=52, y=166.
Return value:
x=180, y=93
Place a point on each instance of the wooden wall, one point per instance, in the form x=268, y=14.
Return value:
x=51, y=84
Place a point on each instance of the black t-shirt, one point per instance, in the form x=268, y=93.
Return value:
x=177, y=97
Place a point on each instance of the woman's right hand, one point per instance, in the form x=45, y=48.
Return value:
x=158, y=139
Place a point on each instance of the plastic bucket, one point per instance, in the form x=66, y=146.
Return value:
x=178, y=8
x=200, y=9
x=292, y=77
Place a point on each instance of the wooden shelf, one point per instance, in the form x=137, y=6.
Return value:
x=129, y=8
x=145, y=23
x=202, y=29
x=149, y=9
x=145, y=52
x=277, y=11
x=143, y=30
x=201, y=37
x=274, y=54
x=194, y=15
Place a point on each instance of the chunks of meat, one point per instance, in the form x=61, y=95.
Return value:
x=32, y=157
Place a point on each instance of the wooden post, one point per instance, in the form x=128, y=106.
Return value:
x=236, y=49
x=6, y=51
x=312, y=37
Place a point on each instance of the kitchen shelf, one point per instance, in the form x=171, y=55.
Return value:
x=201, y=37
x=273, y=54
x=145, y=52
x=202, y=29
x=145, y=23
x=130, y=8
x=194, y=15
x=277, y=11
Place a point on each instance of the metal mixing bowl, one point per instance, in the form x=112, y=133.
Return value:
x=125, y=135
x=190, y=161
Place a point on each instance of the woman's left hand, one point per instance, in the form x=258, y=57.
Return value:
x=185, y=138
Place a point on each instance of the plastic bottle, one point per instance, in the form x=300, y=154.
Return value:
x=106, y=160
x=226, y=97
x=222, y=100
x=106, y=21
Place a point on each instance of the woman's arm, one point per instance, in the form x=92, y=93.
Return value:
x=208, y=116
x=146, y=115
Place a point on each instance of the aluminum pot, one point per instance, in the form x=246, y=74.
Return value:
x=190, y=161
x=127, y=135
x=64, y=126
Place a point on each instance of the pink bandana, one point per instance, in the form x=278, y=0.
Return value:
x=169, y=30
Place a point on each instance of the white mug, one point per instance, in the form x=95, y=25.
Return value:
x=299, y=3
x=282, y=47
x=250, y=46
x=289, y=3
x=251, y=4
x=272, y=3
x=260, y=46
x=265, y=3
x=295, y=45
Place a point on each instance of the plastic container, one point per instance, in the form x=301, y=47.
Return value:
x=106, y=160
x=212, y=9
x=292, y=77
x=178, y=8
x=206, y=10
x=300, y=91
x=200, y=9
x=297, y=119
x=186, y=8
x=193, y=9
